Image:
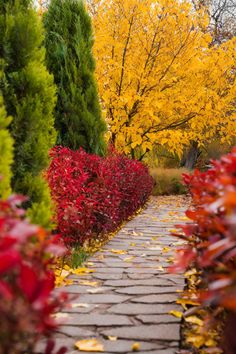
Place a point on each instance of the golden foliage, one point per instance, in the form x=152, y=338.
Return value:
x=160, y=80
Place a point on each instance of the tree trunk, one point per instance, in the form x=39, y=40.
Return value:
x=191, y=156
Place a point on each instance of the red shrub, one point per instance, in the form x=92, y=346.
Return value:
x=26, y=280
x=211, y=236
x=93, y=194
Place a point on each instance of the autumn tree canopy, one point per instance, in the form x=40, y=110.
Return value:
x=160, y=80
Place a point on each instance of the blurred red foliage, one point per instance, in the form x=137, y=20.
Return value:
x=211, y=236
x=26, y=280
x=93, y=194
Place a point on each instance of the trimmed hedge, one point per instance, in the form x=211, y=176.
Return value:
x=95, y=195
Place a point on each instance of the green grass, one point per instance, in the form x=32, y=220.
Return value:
x=168, y=181
x=77, y=257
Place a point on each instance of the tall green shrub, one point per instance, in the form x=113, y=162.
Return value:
x=6, y=153
x=29, y=97
x=69, y=42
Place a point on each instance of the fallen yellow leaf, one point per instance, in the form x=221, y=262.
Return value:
x=79, y=305
x=89, y=283
x=64, y=273
x=95, y=291
x=195, y=320
x=165, y=249
x=160, y=268
x=136, y=347
x=81, y=271
x=89, y=345
x=184, y=302
x=112, y=338
x=211, y=343
x=118, y=251
x=177, y=314
x=66, y=267
x=198, y=340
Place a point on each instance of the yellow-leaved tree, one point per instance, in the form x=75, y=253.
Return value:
x=161, y=81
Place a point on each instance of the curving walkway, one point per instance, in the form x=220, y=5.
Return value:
x=129, y=295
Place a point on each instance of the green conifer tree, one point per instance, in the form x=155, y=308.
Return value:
x=6, y=152
x=69, y=42
x=29, y=97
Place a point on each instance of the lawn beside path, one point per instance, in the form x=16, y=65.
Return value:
x=128, y=296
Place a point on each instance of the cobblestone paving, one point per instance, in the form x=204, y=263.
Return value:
x=133, y=293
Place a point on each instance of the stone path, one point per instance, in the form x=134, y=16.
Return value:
x=131, y=292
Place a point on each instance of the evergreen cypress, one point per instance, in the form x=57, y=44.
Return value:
x=29, y=97
x=69, y=42
x=6, y=153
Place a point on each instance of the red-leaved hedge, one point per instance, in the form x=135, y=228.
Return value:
x=26, y=281
x=211, y=237
x=94, y=195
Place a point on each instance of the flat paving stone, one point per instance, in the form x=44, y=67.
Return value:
x=142, y=270
x=124, y=346
x=139, y=290
x=107, y=276
x=76, y=331
x=97, y=320
x=148, y=319
x=138, y=309
x=156, y=299
x=141, y=276
x=103, y=298
x=163, y=332
x=147, y=282
x=110, y=270
x=77, y=289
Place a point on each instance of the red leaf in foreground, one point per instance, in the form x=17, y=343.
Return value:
x=28, y=281
x=184, y=259
x=8, y=260
x=5, y=290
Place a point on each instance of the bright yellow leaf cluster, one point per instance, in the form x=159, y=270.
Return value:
x=161, y=81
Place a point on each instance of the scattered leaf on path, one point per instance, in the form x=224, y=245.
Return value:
x=79, y=305
x=89, y=345
x=166, y=249
x=185, y=302
x=195, y=320
x=82, y=271
x=112, y=338
x=118, y=251
x=89, y=283
x=135, y=347
x=177, y=314
x=95, y=291
x=160, y=268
